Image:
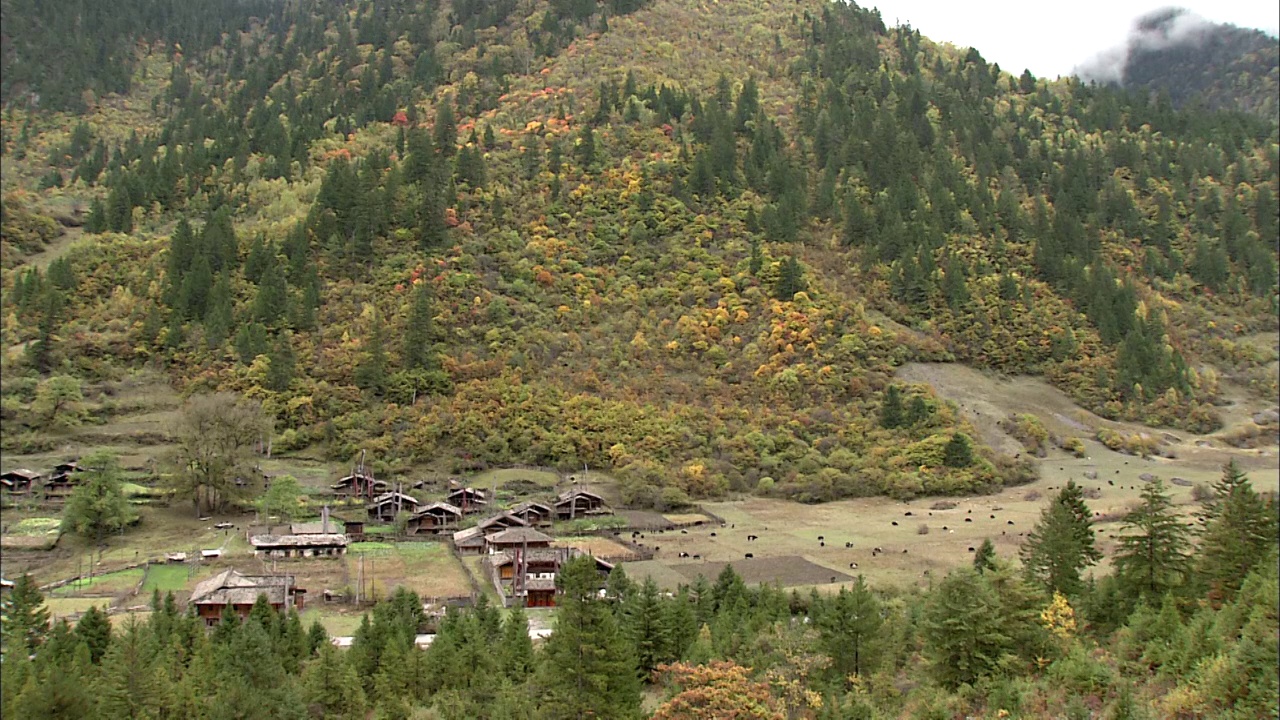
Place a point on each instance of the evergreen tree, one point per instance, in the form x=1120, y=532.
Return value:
x=371, y=371
x=218, y=319
x=963, y=630
x=644, y=622
x=891, y=414
x=251, y=341
x=1154, y=551
x=985, y=558
x=790, y=279
x=959, y=451
x=516, y=646
x=418, y=352
x=588, y=667
x=24, y=619
x=281, y=362
x=1060, y=546
x=585, y=149
x=849, y=627
x=445, y=133
x=97, y=505
x=271, y=304
x=94, y=629
x=317, y=638
x=1239, y=531
x=130, y=686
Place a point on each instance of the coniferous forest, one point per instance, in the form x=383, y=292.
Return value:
x=686, y=243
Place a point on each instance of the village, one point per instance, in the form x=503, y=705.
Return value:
x=510, y=549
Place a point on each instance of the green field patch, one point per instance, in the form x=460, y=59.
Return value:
x=109, y=583
x=371, y=548
x=63, y=607
x=337, y=624
x=167, y=578
x=36, y=526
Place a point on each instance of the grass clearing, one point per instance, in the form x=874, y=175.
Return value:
x=499, y=477
x=338, y=623
x=66, y=607
x=167, y=578
x=686, y=518
x=113, y=583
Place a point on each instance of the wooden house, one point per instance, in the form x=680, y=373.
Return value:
x=239, y=592
x=299, y=546
x=469, y=499
x=577, y=503
x=353, y=529
x=360, y=484
x=501, y=521
x=387, y=506
x=433, y=519
x=533, y=512
x=18, y=482
x=469, y=541
x=519, y=537
x=528, y=577
x=62, y=481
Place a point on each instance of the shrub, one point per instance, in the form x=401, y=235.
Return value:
x=923, y=529
x=1031, y=496
x=1201, y=493
x=943, y=505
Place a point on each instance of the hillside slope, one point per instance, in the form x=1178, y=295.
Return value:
x=655, y=237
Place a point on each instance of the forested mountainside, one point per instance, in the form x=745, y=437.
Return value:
x=687, y=242
x=1209, y=65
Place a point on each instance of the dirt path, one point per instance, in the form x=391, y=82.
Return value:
x=55, y=249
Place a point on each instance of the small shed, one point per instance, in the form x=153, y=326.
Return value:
x=360, y=484
x=19, y=482
x=299, y=546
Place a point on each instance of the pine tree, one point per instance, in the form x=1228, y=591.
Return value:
x=585, y=149
x=317, y=638
x=985, y=558
x=891, y=414
x=98, y=506
x=128, y=687
x=1061, y=545
x=588, y=667
x=849, y=627
x=271, y=304
x=445, y=134
x=24, y=619
x=1239, y=531
x=330, y=685
x=1154, y=551
x=644, y=622
x=280, y=364
x=94, y=629
x=963, y=630
x=371, y=372
x=516, y=647
x=790, y=279
x=418, y=352
x=959, y=451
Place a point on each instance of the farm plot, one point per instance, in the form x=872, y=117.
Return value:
x=786, y=570
x=601, y=547
x=644, y=519
x=108, y=585
x=426, y=568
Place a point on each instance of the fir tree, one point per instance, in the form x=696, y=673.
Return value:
x=588, y=667
x=418, y=352
x=963, y=630
x=280, y=364
x=1239, y=531
x=985, y=558
x=445, y=133
x=1154, y=552
x=849, y=627
x=1060, y=546
x=790, y=279
x=891, y=414
x=959, y=451
x=94, y=629
x=644, y=622
x=516, y=646
x=24, y=619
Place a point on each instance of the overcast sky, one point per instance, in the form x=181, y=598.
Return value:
x=1052, y=39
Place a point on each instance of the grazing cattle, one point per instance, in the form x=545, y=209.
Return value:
x=971, y=549
x=930, y=514
x=821, y=538
x=1003, y=532
x=993, y=517
x=751, y=538
x=656, y=548
x=848, y=545
x=749, y=556
x=968, y=512
x=904, y=551
x=697, y=557
x=968, y=519
x=833, y=578
x=944, y=527
x=853, y=566
x=876, y=550
x=907, y=514
x=895, y=523
x=1010, y=522
x=822, y=544
x=684, y=532
x=1117, y=472
x=1112, y=483
x=685, y=554
x=713, y=534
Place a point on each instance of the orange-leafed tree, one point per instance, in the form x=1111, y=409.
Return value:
x=722, y=690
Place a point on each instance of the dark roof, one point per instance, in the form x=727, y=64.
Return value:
x=23, y=473
x=231, y=588
x=568, y=495
x=531, y=505
x=479, y=494
x=540, y=584
x=502, y=517
x=470, y=536
x=385, y=498
x=438, y=506
x=518, y=535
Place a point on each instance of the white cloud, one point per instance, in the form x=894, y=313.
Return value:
x=1052, y=39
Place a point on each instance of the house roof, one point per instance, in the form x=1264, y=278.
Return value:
x=439, y=507
x=23, y=473
x=536, y=555
x=231, y=588
x=299, y=541
x=531, y=505
x=518, y=535
x=540, y=584
x=69, y=466
x=568, y=495
x=472, y=535
x=385, y=498
x=504, y=519
x=318, y=527
x=475, y=496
